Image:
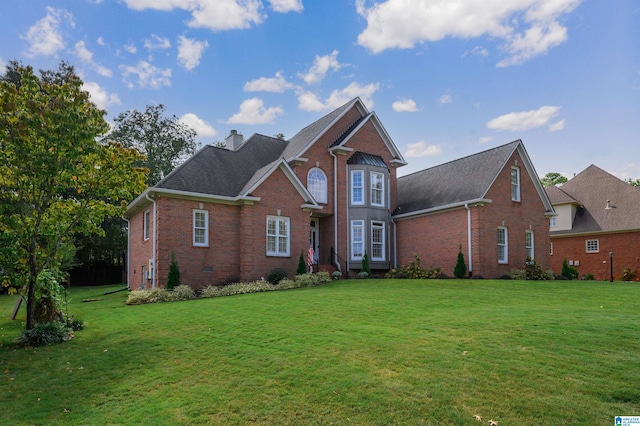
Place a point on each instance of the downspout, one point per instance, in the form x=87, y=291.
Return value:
x=466, y=206
x=335, y=260
x=128, y=251
x=395, y=252
x=155, y=231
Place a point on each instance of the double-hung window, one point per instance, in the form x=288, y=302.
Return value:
x=357, y=187
x=317, y=185
x=515, y=184
x=145, y=224
x=377, y=241
x=277, y=236
x=528, y=241
x=377, y=189
x=357, y=239
x=503, y=245
x=200, y=228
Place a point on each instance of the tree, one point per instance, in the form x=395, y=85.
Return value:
x=633, y=182
x=302, y=265
x=55, y=178
x=173, y=280
x=365, y=264
x=552, y=178
x=165, y=141
x=460, y=270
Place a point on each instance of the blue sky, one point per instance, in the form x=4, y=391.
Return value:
x=447, y=79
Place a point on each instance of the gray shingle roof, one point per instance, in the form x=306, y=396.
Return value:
x=219, y=171
x=465, y=179
x=558, y=196
x=592, y=188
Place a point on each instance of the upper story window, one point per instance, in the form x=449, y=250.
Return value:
x=357, y=239
x=200, y=228
x=145, y=224
x=377, y=189
x=277, y=236
x=552, y=221
x=503, y=245
x=357, y=187
x=317, y=185
x=377, y=241
x=515, y=183
x=592, y=246
x=528, y=241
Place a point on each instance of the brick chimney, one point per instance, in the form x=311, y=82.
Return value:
x=234, y=140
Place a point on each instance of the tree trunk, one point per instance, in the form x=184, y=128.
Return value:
x=31, y=297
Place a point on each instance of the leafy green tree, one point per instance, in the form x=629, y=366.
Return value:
x=569, y=272
x=633, y=182
x=460, y=270
x=365, y=264
x=302, y=265
x=55, y=178
x=553, y=178
x=173, y=280
x=164, y=141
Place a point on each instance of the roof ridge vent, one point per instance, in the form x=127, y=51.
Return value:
x=344, y=134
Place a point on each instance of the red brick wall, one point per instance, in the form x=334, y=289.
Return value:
x=625, y=248
x=140, y=250
x=436, y=237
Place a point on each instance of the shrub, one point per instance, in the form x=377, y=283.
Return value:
x=363, y=274
x=173, y=280
x=48, y=296
x=517, y=274
x=589, y=277
x=303, y=280
x=44, y=334
x=156, y=295
x=460, y=269
x=302, y=265
x=533, y=271
x=365, y=264
x=276, y=275
x=627, y=275
x=336, y=275
x=569, y=272
x=182, y=292
x=75, y=324
x=414, y=270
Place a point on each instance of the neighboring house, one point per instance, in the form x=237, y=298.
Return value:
x=490, y=204
x=598, y=221
x=237, y=213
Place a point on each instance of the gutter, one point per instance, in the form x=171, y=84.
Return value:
x=155, y=232
x=443, y=208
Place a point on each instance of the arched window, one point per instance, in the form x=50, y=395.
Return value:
x=317, y=185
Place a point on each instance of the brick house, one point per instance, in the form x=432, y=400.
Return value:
x=597, y=222
x=491, y=204
x=236, y=213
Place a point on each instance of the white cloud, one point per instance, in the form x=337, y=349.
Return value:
x=320, y=67
x=131, y=48
x=253, y=111
x=101, y=41
x=148, y=75
x=519, y=121
x=485, y=139
x=476, y=51
x=3, y=66
x=86, y=56
x=284, y=6
x=190, y=51
x=157, y=43
x=422, y=149
x=308, y=101
x=445, y=99
x=45, y=37
x=527, y=27
x=276, y=84
x=404, y=105
x=558, y=125
x=202, y=128
x=217, y=15
x=100, y=96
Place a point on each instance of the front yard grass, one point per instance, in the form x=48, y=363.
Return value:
x=372, y=352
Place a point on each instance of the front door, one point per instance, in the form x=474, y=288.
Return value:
x=314, y=239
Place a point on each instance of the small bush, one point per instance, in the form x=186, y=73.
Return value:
x=569, y=272
x=365, y=264
x=589, y=277
x=363, y=275
x=460, y=270
x=182, y=292
x=156, y=295
x=302, y=265
x=44, y=334
x=517, y=274
x=336, y=275
x=414, y=270
x=534, y=271
x=173, y=280
x=75, y=324
x=303, y=280
x=627, y=275
x=276, y=276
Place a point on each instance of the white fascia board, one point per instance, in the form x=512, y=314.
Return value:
x=444, y=208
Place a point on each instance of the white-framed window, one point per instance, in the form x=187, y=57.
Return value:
x=377, y=241
x=515, y=183
x=201, y=228
x=377, y=189
x=503, y=245
x=146, y=218
x=592, y=246
x=317, y=184
x=357, y=187
x=552, y=221
x=277, y=236
x=528, y=242
x=357, y=239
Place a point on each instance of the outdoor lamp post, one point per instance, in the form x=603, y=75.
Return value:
x=611, y=266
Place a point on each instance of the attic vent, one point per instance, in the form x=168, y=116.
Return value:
x=346, y=133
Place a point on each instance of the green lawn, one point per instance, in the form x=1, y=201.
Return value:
x=350, y=352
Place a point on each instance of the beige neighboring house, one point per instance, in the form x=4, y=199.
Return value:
x=598, y=225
